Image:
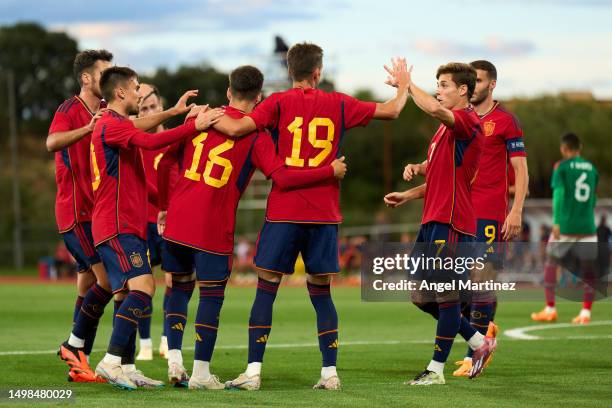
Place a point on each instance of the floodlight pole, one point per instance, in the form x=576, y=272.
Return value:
x=12, y=114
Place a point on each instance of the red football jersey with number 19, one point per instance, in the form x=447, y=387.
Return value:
x=74, y=198
x=452, y=162
x=307, y=126
x=503, y=140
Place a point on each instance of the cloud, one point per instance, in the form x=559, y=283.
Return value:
x=493, y=46
x=162, y=15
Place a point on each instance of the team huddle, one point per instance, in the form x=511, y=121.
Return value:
x=132, y=195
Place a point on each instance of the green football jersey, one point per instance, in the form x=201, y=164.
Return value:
x=579, y=178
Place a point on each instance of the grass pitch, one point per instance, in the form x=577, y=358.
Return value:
x=381, y=345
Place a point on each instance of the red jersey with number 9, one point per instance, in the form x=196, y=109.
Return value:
x=503, y=140
x=308, y=126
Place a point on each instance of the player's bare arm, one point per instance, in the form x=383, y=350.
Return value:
x=431, y=105
x=418, y=169
x=235, y=127
x=397, y=199
x=158, y=140
x=60, y=140
x=181, y=107
x=399, y=78
x=513, y=224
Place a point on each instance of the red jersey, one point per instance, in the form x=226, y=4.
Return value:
x=119, y=183
x=307, y=126
x=150, y=160
x=74, y=198
x=214, y=171
x=452, y=163
x=503, y=140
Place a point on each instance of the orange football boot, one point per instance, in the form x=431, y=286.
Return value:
x=544, y=316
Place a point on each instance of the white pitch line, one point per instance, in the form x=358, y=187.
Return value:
x=246, y=346
x=512, y=334
x=520, y=333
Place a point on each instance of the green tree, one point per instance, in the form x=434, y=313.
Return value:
x=42, y=64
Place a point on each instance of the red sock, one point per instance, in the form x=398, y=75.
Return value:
x=550, y=281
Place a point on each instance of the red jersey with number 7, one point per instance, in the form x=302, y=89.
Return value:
x=214, y=171
x=308, y=126
x=119, y=182
x=74, y=198
x=452, y=162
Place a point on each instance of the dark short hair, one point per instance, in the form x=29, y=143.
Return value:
x=245, y=82
x=114, y=77
x=487, y=66
x=154, y=91
x=85, y=60
x=462, y=74
x=572, y=141
x=303, y=59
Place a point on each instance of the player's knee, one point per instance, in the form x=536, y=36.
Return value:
x=319, y=279
x=188, y=277
x=270, y=276
x=84, y=281
x=120, y=296
x=143, y=283
x=168, y=279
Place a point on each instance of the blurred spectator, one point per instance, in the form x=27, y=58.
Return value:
x=244, y=255
x=65, y=264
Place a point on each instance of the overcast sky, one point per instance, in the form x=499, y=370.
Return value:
x=538, y=46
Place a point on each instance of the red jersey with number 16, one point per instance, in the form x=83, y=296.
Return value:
x=503, y=140
x=308, y=126
x=74, y=198
x=214, y=171
x=452, y=162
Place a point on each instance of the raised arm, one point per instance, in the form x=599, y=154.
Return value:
x=181, y=107
x=235, y=127
x=57, y=141
x=400, y=76
x=422, y=99
x=154, y=141
x=431, y=105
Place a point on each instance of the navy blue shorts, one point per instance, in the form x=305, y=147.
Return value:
x=438, y=240
x=79, y=243
x=209, y=267
x=490, y=242
x=125, y=258
x=155, y=243
x=279, y=244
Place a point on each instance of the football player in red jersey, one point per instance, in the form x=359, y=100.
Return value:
x=308, y=126
x=69, y=137
x=503, y=146
x=503, y=154
x=215, y=170
x=448, y=214
x=119, y=223
x=150, y=104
